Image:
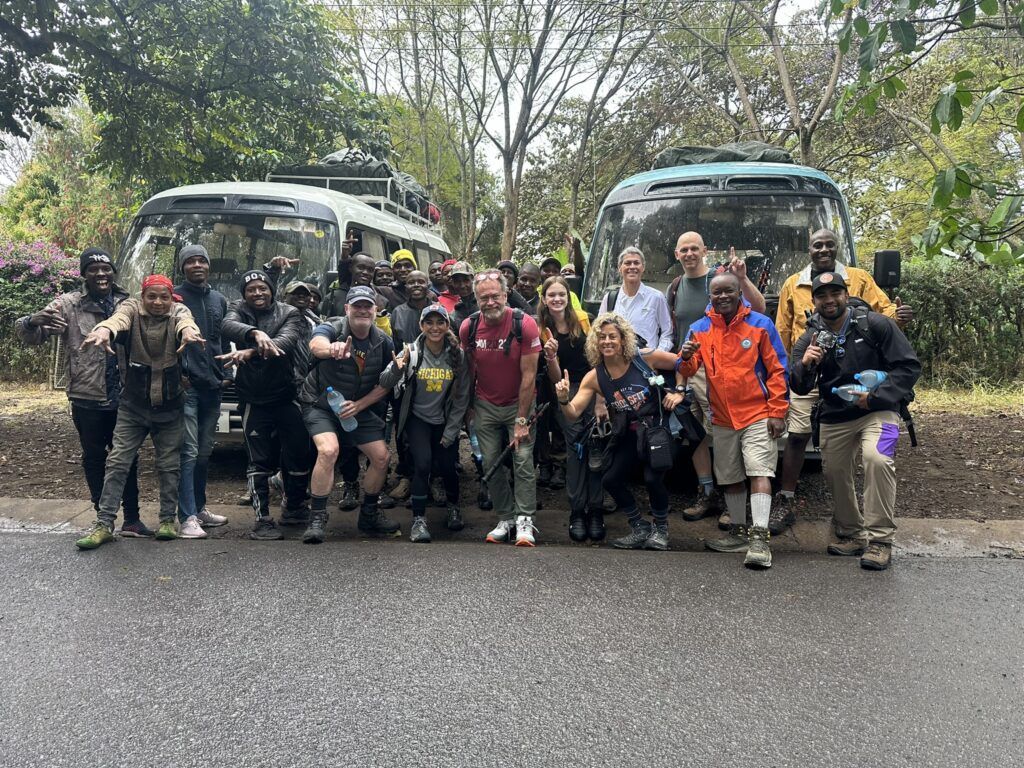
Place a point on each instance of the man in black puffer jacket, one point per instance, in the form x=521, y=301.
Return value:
x=269, y=364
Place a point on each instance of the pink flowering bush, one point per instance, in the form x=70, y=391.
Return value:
x=31, y=276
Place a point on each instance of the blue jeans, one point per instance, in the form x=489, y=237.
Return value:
x=202, y=408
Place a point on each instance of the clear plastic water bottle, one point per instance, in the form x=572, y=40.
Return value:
x=337, y=401
x=850, y=392
x=871, y=378
x=474, y=444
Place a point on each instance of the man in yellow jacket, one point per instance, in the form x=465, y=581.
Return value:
x=791, y=320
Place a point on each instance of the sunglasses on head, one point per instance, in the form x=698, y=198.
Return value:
x=491, y=274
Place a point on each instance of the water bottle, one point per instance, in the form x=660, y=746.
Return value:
x=871, y=379
x=850, y=392
x=474, y=444
x=337, y=401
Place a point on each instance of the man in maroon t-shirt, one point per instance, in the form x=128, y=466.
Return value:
x=504, y=368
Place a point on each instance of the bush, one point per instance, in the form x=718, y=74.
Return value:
x=31, y=276
x=969, y=321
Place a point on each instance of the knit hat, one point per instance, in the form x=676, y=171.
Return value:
x=255, y=274
x=94, y=256
x=188, y=252
x=403, y=253
x=509, y=264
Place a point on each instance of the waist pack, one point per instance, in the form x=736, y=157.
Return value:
x=654, y=443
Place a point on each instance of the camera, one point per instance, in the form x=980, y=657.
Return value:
x=827, y=340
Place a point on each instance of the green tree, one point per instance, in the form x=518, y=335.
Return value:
x=192, y=90
x=60, y=198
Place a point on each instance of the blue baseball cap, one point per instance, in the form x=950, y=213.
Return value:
x=434, y=309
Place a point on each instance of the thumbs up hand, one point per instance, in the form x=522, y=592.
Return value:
x=904, y=314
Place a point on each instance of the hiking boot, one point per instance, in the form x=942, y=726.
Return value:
x=878, y=556
x=501, y=532
x=636, y=538
x=276, y=484
x=166, y=531
x=483, y=499
x=245, y=500
x=524, y=531
x=385, y=501
x=191, y=529
x=419, y=534
x=436, y=496
x=349, y=496
x=136, y=530
x=658, y=539
x=372, y=522
x=544, y=475
x=400, y=490
x=557, y=481
x=97, y=536
x=265, y=530
x=734, y=541
x=705, y=506
x=847, y=547
x=724, y=521
x=298, y=516
x=782, y=516
x=577, y=526
x=759, y=555
x=595, y=525
x=316, y=532
x=453, y=521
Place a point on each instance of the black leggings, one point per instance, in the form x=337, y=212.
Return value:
x=615, y=480
x=428, y=455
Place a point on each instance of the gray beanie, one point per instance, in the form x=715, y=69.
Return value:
x=188, y=252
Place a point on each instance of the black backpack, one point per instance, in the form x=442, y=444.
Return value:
x=516, y=334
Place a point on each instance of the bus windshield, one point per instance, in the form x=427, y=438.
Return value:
x=236, y=242
x=770, y=231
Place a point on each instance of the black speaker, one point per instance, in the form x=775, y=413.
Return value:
x=887, y=269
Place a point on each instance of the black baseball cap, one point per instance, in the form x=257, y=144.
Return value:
x=828, y=280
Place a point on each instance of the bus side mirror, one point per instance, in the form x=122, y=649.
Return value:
x=887, y=269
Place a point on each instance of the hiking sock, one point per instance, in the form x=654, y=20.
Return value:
x=318, y=503
x=707, y=484
x=660, y=519
x=760, y=508
x=633, y=516
x=736, y=503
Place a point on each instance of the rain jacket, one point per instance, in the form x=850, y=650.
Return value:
x=745, y=365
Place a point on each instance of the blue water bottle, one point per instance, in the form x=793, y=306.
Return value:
x=871, y=378
x=337, y=401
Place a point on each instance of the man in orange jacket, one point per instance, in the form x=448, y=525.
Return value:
x=745, y=366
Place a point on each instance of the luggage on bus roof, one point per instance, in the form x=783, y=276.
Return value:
x=736, y=152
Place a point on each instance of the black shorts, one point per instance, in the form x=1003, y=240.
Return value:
x=319, y=421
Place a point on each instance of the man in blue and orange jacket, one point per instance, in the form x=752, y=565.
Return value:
x=745, y=365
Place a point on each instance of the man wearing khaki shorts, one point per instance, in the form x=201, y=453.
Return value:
x=744, y=362
x=687, y=301
x=795, y=302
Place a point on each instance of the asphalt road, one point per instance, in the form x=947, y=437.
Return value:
x=373, y=653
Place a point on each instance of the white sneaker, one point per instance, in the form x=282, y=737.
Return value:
x=210, y=520
x=524, y=531
x=501, y=532
x=191, y=529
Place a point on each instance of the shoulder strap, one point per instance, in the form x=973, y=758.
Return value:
x=642, y=366
x=673, y=290
x=613, y=296
x=474, y=323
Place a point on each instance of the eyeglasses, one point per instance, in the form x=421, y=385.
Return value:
x=491, y=274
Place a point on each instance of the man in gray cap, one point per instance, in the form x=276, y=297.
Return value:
x=202, y=400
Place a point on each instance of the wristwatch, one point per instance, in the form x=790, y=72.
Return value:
x=522, y=421
x=680, y=389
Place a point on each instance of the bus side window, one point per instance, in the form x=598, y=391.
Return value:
x=391, y=246
x=423, y=257
x=373, y=244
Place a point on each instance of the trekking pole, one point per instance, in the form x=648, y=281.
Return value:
x=508, y=449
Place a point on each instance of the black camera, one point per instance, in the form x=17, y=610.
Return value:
x=827, y=340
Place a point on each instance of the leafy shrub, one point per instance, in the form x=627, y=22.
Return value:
x=969, y=321
x=31, y=276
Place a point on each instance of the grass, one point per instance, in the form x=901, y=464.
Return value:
x=980, y=400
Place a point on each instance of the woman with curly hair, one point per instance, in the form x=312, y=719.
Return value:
x=564, y=334
x=623, y=376
x=431, y=400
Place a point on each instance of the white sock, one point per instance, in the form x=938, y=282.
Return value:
x=760, y=508
x=736, y=503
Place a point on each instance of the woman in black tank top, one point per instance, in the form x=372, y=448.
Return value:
x=612, y=351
